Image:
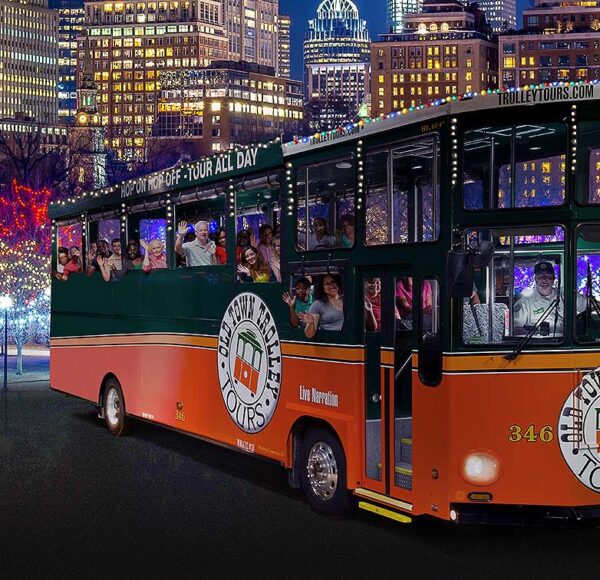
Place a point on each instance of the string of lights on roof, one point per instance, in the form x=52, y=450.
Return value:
x=323, y=136
x=158, y=174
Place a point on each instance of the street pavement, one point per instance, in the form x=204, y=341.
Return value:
x=76, y=503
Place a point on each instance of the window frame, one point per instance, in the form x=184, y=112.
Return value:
x=573, y=305
x=302, y=202
x=437, y=181
x=514, y=162
x=513, y=340
x=439, y=337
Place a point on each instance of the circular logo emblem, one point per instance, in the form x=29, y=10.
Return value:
x=249, y=360
x=579, y=430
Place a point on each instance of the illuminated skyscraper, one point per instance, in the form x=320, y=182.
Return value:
x=336, y=64
x=28, y=61
x=252, y=30
x=336, y=35
x=70, y=24
x=396, y=10
x=500, y=14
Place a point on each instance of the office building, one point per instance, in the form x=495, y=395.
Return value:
x=129, y=44
x=70, y=24
x=501, y=15
x=252, y=30
x=227, y=104
x=397, y=10
x=284, y=43
x=446, y=50
x=559, y=41
x=28, y=61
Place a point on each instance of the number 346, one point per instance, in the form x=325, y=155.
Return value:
x=531, y=434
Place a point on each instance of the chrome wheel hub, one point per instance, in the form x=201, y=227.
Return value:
x=322, y=471
x=113, y=407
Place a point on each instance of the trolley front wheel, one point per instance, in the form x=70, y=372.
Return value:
x=323, y=472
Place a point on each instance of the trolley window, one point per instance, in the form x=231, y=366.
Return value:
x=587, y=284
x=520, y=292
x=200, y=239
x=325, y=217
x=588, y=161
x=430, y=338
x=403, y=193
x=69, y=253
x=514, y=166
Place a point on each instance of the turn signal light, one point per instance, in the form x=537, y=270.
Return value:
x=480, y=496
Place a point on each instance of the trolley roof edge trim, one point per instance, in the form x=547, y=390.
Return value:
x=554, y=93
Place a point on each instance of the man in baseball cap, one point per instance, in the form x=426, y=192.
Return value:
x=532, y=305
x=534, y=302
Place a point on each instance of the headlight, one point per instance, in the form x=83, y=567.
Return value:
x=481, y=468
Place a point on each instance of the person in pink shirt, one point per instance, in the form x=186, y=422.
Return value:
x=154, y=255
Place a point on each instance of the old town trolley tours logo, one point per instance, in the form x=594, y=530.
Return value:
x=249, y=359
x=579, y=430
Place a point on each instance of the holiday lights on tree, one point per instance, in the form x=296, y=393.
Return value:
x=25, y=243
x=24, y=276
x=24, y=216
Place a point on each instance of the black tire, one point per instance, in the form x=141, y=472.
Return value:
x=323, y=472
x=113, y=402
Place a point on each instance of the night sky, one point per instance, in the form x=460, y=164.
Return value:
x=373, y=10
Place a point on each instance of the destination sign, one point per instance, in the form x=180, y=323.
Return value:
x=206, y=169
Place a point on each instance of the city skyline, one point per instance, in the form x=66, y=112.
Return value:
x=373, y=12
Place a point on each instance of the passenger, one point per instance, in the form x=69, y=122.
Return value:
x=221, y=246
x=372, y=289
x=252, y=267
x=154, y=255
x=74, y=263
x=265, y=236
x=534, y=302
x=327, y=311
x=134, y=256
x=115, y=262
x=102, y=254
x=347, y=233
x=275, y=263
x=300, y=302
x=92, y=251
x=201, y=251
x=404, y=297
x=62, y=261
x=320, y=237
x=244, y=239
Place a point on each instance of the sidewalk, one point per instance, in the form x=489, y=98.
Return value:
x=30, y=350
x=36, y=368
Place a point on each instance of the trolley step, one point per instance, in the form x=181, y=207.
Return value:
x=386, y=513
x=378, y=500
x=402, y=475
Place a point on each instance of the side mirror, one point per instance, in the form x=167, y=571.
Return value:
x=460, y=265
x=459, y=274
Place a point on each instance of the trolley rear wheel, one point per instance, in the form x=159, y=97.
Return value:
x=117, y=423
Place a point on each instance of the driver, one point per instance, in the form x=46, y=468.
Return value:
x=532, y=306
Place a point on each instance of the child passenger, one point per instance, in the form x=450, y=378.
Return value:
x=300, y=303
x=154, y=255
